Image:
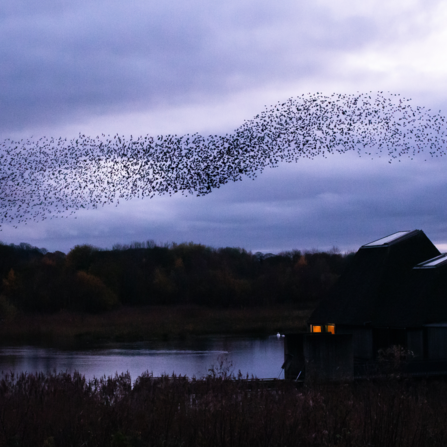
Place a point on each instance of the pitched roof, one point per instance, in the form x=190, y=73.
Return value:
x=377, y=287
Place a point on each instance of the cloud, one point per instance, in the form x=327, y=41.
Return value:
x=343, y=200
x=63, y=61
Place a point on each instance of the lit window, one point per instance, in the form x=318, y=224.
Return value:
x=330, y=328
x=315, y=328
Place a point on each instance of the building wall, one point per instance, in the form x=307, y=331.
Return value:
x=415, y=343
x=436, y=343
x=328, y=357
x=294, y=363
x=362, y=340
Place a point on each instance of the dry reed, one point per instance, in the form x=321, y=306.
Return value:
x=67, y=410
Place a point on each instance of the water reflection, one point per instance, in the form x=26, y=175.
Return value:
x=254, y=356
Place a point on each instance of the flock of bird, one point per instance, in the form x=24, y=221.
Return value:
x=48, y=177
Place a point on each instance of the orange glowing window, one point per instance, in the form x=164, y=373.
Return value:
x=330, y=328
x=315, y=328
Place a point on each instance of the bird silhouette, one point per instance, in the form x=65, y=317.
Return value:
x=54, y=177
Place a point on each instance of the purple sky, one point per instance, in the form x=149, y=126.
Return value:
x=142, y=67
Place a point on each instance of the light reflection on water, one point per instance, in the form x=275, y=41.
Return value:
x=261, y=357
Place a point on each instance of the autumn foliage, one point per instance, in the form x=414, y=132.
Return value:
x=89, y=279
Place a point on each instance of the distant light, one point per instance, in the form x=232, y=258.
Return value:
x=327, y=328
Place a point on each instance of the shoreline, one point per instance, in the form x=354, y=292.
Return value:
x=133, y=324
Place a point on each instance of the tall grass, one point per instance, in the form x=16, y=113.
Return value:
x=67, y=410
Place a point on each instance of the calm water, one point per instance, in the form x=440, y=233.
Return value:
x=259, y=357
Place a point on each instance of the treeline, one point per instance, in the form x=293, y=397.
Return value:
x=89, y=279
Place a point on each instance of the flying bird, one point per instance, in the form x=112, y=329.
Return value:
x=49, y=177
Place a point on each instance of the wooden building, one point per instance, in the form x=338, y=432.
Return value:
x=393, y=294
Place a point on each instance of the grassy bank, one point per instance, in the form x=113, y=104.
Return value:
x=218, y=412
x=145, y=323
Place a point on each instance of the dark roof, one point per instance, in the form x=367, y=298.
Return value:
x=381, y=286
x=390, y=239
x=434, y=263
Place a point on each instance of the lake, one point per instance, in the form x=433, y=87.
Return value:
x=260, y=357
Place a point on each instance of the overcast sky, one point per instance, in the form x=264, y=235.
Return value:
x=146, y=67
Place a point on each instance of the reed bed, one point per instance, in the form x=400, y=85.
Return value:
x=61, y=409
